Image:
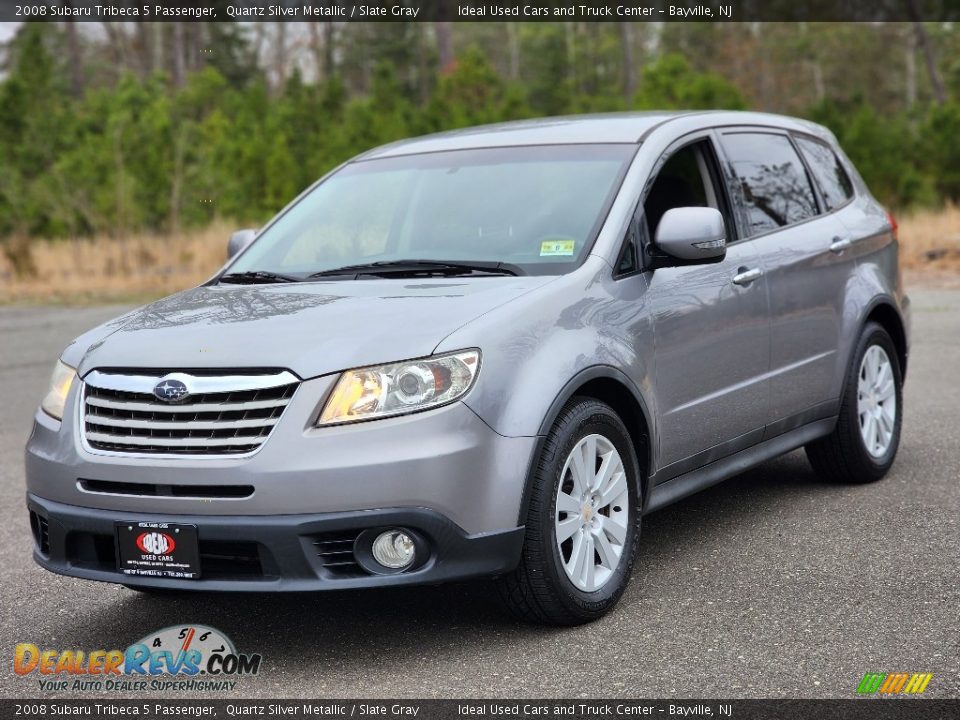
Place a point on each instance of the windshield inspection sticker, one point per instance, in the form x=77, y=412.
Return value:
x=551, y=248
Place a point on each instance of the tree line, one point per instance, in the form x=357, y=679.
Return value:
x=117, y=127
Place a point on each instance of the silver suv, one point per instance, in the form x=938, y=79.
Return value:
x=487, y=352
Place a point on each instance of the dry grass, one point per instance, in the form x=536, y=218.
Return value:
x=143, y=267
x=930, y=246
x=138, y=267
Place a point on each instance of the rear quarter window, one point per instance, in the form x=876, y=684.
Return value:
x=835, y=184
x=774, y=185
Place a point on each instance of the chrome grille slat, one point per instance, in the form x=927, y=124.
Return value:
x=175, y=442
x=228, y=415
x=204, y=407
x=189, y=425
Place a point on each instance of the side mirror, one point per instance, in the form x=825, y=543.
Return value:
x=691, y=235
x=239, y=240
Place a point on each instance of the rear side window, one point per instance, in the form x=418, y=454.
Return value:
x=833, y=180
x=774, y=184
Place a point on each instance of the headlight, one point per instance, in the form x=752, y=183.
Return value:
x=398, y=388
x=56, y=396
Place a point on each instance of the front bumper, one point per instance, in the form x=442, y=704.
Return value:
x=263, y=519
x=445, y=459
x=270, y=553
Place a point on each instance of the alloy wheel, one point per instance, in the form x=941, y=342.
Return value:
x=876, y=401
x=592, y=512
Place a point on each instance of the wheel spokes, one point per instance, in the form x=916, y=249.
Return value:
x=589, y=453
x=617, y=488
x=589, y=566
x=886, y=418
x=608, y=556
x=578, y=473
x=884, y=428
x=567, y=503
x=566, y=528
x=591, y=512
x=609, y=465
x=869, y=431
x=883, y=372
x=873, y=364
x=886, y=390
x=580, y=565
x=576, y=556
x=614, y=528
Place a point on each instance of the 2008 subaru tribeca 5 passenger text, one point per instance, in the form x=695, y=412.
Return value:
x=484, y=352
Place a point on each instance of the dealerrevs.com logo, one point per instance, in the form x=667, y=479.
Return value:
x=179, y=657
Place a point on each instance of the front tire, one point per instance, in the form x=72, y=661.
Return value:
x=864, y=443
x=582, y=523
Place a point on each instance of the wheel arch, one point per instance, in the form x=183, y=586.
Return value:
x=611, y=386
x=884, y=312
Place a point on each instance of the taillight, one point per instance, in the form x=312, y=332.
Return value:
x=893, y=224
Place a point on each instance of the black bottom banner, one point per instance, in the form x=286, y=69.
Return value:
x=867, y=709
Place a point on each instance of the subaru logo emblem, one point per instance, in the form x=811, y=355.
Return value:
x=170, y=390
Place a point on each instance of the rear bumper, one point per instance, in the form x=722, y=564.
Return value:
x=269, y=553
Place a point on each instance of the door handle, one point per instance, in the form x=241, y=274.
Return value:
x=745, y=277
x=839, y=244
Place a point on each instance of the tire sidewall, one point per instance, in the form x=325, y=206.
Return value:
x=596, y=418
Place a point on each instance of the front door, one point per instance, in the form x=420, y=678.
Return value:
x=711, y=329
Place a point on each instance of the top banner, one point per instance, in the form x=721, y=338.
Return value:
x=476, y=11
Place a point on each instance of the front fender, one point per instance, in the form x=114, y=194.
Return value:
x=535, y=346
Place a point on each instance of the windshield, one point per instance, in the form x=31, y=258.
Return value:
x=537, y=209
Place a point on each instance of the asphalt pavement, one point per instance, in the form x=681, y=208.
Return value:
x=773, y=584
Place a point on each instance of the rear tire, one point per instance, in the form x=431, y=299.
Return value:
x=582, y=523
x=863, y=445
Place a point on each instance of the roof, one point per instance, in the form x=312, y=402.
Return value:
x=628, y=127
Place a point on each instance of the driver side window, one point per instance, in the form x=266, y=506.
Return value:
x=690, y=177
x=683, y=181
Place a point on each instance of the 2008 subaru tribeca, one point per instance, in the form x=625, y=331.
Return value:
x=486, y=352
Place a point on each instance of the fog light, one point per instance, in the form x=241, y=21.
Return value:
x=394, y=549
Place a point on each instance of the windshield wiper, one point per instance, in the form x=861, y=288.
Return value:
x=253, y=277
x=413, y=267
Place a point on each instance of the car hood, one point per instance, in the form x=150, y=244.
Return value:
x=309, y=328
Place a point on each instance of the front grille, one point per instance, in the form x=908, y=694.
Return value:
x=335, y=551
x=229, y=415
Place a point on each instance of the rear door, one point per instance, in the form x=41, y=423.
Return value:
x=805, y=254
x=711, y=326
